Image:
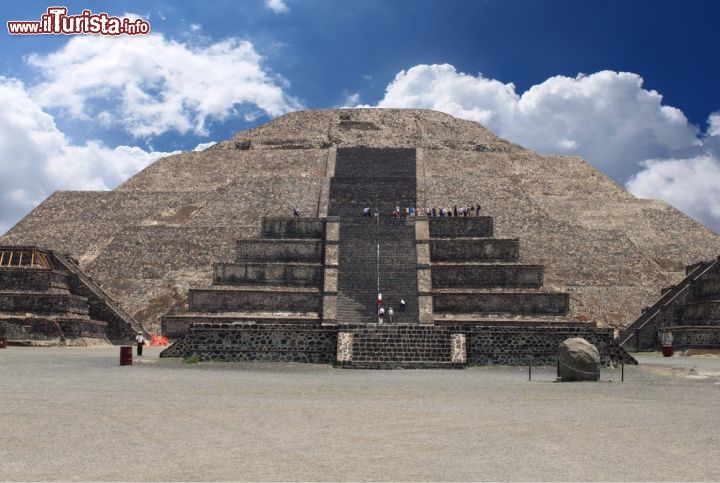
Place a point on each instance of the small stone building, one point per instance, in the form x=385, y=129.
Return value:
x=45, y=296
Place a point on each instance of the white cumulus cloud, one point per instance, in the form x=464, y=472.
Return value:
x=691, y=185
x=145, y=85
x=36, y=158
x=277, y=6
x=150, y=85
x=608, y=118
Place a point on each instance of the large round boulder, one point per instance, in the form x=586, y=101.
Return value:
x=578, y=360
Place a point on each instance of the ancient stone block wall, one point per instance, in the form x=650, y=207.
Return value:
x=537, y=345
x=51, y=281
x=229, y=342
x=475, y=226
x=489, y=250
x=218, y=300
x=280, y=250
x=175, y=327
x=299, y=274
x=388, y=346
x=398, y=345
x=44, y=303
x=696, y=337
x=293, y=228
x=501, y=302
x=470, y=275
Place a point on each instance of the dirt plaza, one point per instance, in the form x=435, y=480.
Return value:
x=75, y=414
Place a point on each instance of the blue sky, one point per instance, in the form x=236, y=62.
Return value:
x=631, y=86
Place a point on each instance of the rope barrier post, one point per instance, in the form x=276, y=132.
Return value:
x=529, y=368
x=558, y=368
x=622, y=371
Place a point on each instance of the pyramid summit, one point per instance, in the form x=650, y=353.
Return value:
x=161, y=238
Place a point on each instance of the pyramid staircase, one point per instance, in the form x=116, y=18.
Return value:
x=307, y=292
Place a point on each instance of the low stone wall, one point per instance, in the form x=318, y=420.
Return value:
x=220, y=300
x=293, y=228
x=268, y=273
x=696, y=337
x=389, y=346
x=38, y=280
x=250, y=342
x=464, y=226
x=495, y=302
x=487, y=276
x=518, y=346
x=279, y=250
x=470, y=250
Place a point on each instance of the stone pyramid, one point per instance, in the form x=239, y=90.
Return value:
x=159, y=233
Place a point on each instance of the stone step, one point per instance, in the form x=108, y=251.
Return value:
x=268, y=273
x=489, y=320
x=282, y=250
x=177, y=325
x=471, y=301
x=469, y=226
x=297, y=228
x=243, y=298
x=474, y=249
x=51, y=326
x=43, y=303
x=36, y=280
x=397, y=345
x=468, y=275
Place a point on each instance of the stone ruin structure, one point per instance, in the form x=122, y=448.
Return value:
x=204, y=244
x=43, y=295
x=686, y=316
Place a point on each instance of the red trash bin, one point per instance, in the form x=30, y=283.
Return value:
x=3, y=342
x=126, y=355
x=667, y=350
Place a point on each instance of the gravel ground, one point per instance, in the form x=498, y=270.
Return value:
x=75, y=414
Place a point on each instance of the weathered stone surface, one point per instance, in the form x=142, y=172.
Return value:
x=56, y=300
x=578, y=360
x=162, y=230
x=690, y=308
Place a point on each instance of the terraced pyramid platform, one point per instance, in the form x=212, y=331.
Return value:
x=172, y=226
x=319, y=283
x=44, y=296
